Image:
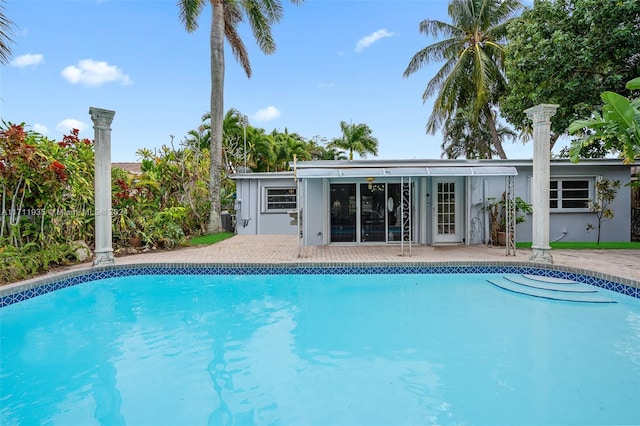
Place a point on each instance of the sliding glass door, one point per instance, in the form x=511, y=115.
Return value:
x=373, y=212
x=342, y=199
x=369, y=212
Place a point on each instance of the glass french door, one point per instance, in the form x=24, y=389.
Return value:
x=447, y=210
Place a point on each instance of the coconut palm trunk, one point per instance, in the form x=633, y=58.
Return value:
x=225, y=17
x=217, y=112
x=496, y=139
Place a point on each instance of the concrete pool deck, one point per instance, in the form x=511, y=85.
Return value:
x=284, y=249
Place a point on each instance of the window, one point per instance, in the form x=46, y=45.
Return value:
x=570, y=193
x=280, y=199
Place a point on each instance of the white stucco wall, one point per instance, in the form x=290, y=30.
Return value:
x=252, y=216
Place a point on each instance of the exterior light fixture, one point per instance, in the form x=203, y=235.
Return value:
x=370, y=180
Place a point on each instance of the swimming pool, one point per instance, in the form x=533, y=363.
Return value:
x=331, y=346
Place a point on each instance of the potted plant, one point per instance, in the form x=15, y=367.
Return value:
x=498, y=218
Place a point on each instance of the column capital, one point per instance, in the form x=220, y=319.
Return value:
x=101, y=117
x=541, y=113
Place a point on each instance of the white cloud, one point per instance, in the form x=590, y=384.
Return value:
x=325, y=85
x=40, y=128
x=367, y=41
x=26, y=60
x=94, y=73
x=267, y=114
x=67, y=124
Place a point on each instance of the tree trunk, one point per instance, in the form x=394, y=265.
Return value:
x=494, y=133
x=217, y=113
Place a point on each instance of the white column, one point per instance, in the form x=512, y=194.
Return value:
x=102, y=119
x=541, y=117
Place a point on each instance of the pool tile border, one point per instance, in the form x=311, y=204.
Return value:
x=14, y=293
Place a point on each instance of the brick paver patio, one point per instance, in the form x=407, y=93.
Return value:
x=248, y=249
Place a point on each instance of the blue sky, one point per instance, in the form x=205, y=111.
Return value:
x=335, y=60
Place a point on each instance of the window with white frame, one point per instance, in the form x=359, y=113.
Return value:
x=571, y=193
x=280, y=199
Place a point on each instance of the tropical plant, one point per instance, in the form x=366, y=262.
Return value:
x=46, y=187
x=355, y=138
x=134, y=201
x=618, y=127
x=234, y=131
x=6, y=25
x=568, y=52
x=24, y=262
x=286, y=145
x=318, y=150
x=605, y=191
x=472, y=76
x=164, y=229
x=261, y=154
x=331, y=154
x=173, y=178
x=46, y=198
x=498, y=217
x=225, y=17
x=199, y=138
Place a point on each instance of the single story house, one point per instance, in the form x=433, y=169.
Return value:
x=423, y=201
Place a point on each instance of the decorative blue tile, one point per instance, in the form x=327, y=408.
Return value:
x=112, y=272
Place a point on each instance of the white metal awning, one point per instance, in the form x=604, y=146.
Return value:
x=312, y=173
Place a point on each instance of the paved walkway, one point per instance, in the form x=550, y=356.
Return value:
x=252, y=249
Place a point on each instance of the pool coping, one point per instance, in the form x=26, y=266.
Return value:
x=16, y=292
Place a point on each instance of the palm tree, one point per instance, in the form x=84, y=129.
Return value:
x=317, y=149
x=225, y=17
x=198, y=139
x=355, y=137
x=464, y=137
x=261, y=155
x=332, y=154
x=473, y=72
x=5, y=39
x=285, y=146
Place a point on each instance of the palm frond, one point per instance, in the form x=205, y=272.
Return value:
x=272, y=9
x=437, y=52
x=260, y=21
x=233, y=16
x=435, y=28
x=189, y=11
x=6, y=25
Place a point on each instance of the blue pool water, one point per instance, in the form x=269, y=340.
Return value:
x=316, y=350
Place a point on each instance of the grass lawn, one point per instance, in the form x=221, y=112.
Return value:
x=209, y=238
x=588, y=245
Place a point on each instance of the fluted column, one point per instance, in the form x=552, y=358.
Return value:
x=102, y=119
x=541, y=117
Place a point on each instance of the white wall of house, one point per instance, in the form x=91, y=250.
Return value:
x=575, y=221
x=315, y=211
x=261, y=207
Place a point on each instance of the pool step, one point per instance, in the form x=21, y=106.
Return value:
x=563, y=286
x=551, y=288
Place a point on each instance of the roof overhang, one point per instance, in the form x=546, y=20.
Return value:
x=316, y=173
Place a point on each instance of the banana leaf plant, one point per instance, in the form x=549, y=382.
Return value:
x=618, y=127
